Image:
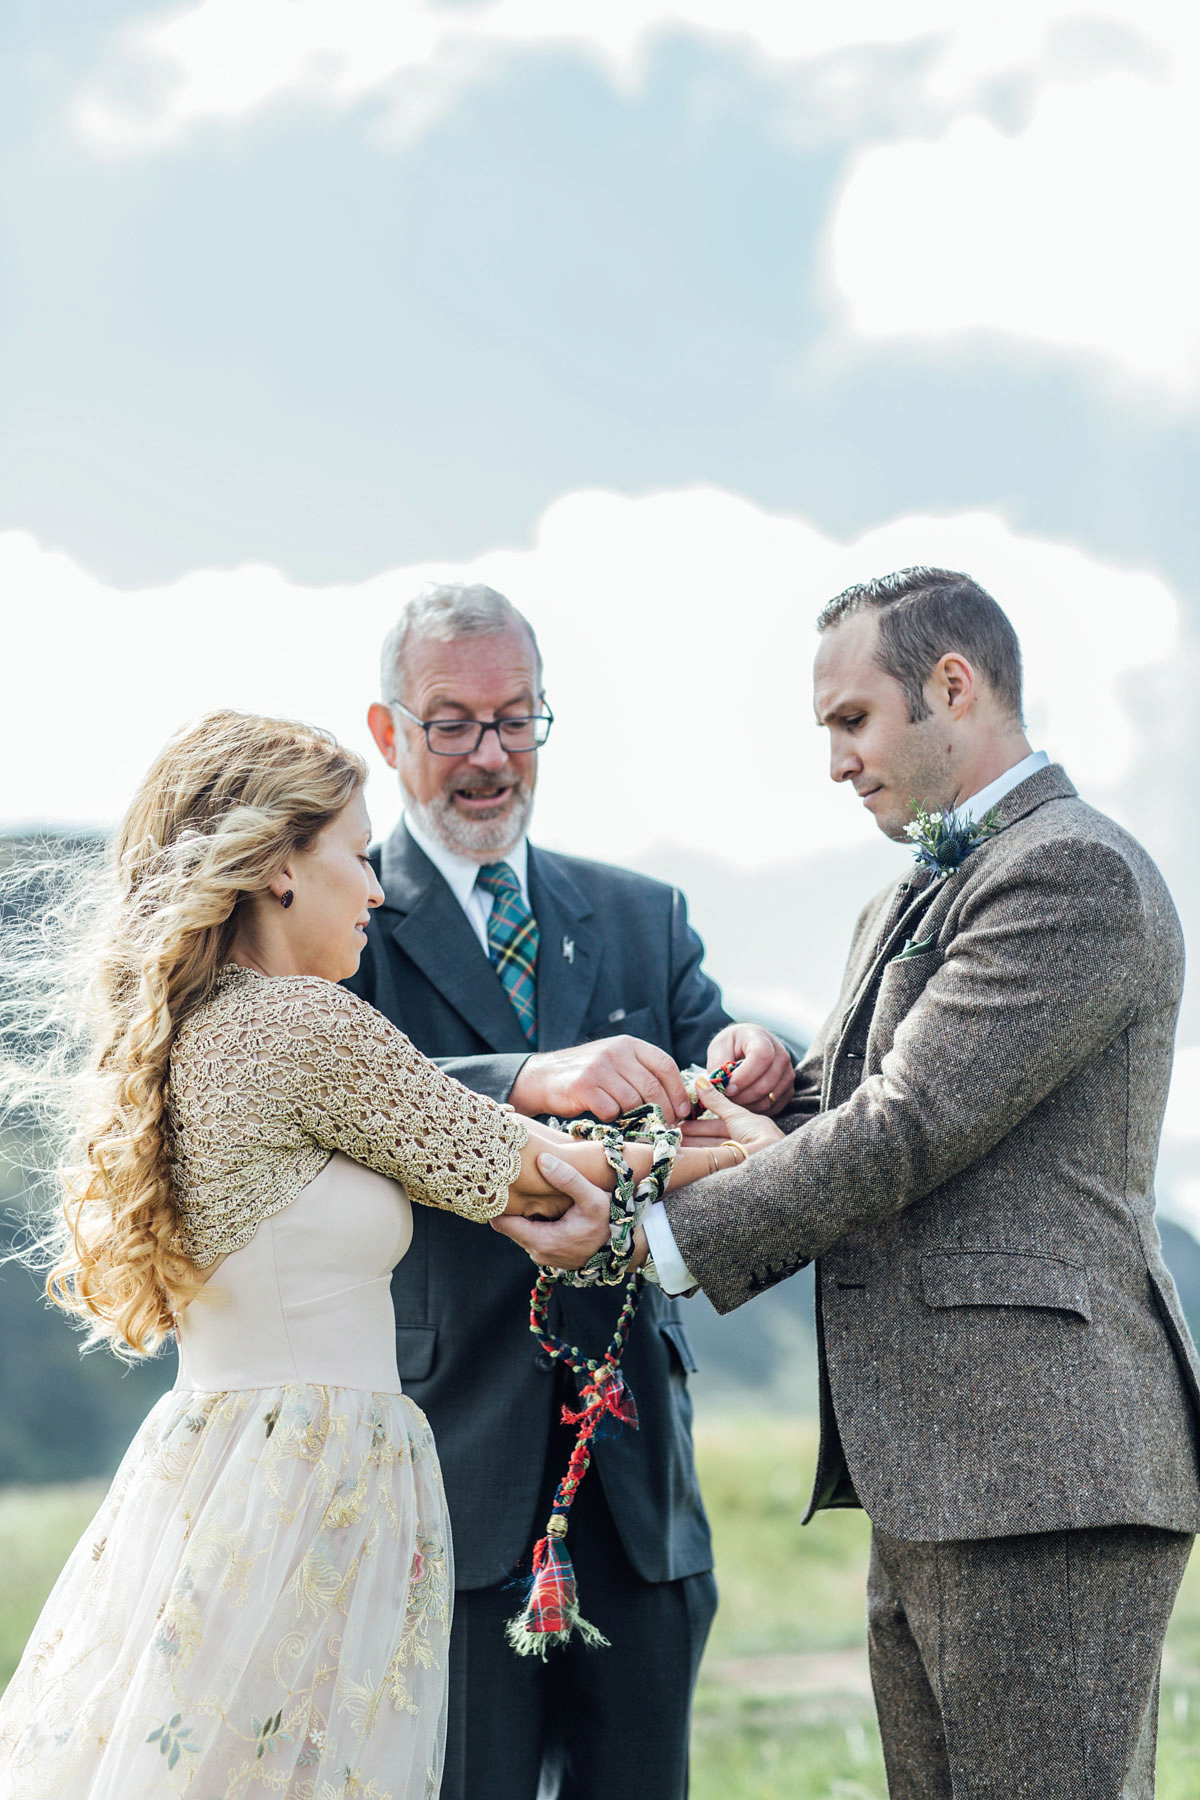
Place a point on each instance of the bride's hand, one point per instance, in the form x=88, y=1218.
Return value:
x=541, y=1207
x=753, y=1131
x=531, y=1196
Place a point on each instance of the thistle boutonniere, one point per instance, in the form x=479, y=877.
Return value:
x=941, y=844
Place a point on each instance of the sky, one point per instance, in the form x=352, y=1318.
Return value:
x=669, y=318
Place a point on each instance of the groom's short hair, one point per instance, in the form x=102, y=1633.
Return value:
x=925, y=614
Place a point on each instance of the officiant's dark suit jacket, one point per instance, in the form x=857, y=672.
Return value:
x=616, y=955
x=972, y=1161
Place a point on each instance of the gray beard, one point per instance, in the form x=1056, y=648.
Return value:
x=481, y=840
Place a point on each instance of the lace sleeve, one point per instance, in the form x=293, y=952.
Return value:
x=361, y=1087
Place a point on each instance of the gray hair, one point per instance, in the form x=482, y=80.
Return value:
x=445, y=611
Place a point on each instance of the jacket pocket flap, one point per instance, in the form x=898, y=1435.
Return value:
x=1004, y=1278
x=677, y=1337
x=415, y=1345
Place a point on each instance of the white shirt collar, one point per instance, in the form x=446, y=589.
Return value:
x=980, y=805
x=459, y=872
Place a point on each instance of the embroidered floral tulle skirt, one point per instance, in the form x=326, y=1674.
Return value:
x=261, y=1606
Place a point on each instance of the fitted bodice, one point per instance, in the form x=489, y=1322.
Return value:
x=307, y=1299
x=272, y=1074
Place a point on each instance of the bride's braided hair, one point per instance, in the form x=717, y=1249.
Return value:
x=216, y=818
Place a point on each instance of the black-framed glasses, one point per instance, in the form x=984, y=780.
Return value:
x=462, y=737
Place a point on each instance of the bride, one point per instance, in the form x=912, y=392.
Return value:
x=263, y=1601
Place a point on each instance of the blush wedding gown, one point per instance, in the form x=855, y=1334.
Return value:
x=262, y=1603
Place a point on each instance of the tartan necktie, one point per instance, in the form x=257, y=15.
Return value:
x=512, y=939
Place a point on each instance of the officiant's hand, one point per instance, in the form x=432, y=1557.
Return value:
x=764, y=1078
x=583, y=1229
x=604, y=1078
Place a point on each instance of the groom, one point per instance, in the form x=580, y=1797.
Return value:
x=1007, y=1383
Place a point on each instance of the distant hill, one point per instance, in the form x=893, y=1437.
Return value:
x=63, y=1417
x=776, y=938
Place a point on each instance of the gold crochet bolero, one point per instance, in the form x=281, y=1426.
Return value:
x=273, y=1074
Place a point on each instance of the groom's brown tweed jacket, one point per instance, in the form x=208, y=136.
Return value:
x=972, y=1161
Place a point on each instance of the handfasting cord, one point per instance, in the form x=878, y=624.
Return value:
x=551, y=1610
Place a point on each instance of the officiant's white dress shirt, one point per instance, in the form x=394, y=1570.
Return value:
x=673, y=1274
x=459, y=873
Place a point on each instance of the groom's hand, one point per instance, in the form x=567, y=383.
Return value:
x=607, y=1077
x=582, y=1230
x=765, y=1080
x=754, y=1131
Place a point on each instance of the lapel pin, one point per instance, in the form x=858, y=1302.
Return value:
x=569, y=949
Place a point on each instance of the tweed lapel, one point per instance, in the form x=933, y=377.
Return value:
x=431, y=928
x=914, y=894
x=569, y=951
x=909, y=901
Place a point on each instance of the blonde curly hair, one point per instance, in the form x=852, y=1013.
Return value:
x=132, y=946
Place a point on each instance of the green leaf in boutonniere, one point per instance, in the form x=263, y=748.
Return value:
x=941, y=844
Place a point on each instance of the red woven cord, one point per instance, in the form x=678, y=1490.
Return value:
x=550, y=1614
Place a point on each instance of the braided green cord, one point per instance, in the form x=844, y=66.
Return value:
x=643, y=1125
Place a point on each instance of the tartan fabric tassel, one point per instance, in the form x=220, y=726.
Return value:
x=551, y=1613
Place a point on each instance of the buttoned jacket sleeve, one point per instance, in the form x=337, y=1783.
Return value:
x=1041, y=957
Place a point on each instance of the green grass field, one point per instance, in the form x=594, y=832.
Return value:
x=784, y=1710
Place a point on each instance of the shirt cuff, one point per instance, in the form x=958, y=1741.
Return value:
x=674, y=1276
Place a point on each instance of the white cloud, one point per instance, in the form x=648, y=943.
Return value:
x=1182, y=1122
x=1182, y=1203
x=1072, y=233
x=226, y=58
x=678, y=635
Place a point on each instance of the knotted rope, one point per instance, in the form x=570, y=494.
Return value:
x=551, y=1609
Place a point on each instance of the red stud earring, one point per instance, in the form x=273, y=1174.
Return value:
x=286, y=899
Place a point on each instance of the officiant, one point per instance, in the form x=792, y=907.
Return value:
x=563, y=986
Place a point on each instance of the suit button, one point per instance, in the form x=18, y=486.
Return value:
x=544, y=1363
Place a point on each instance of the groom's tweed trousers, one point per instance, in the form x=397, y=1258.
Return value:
x=1022, y=1668
x=972, y=1152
